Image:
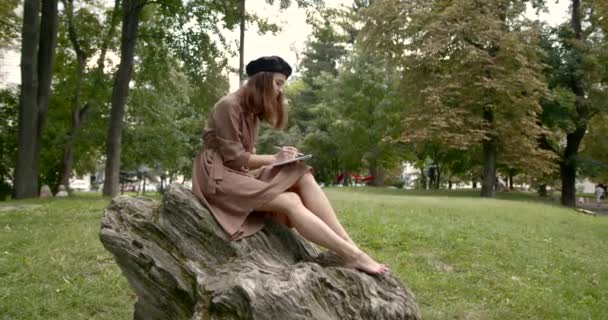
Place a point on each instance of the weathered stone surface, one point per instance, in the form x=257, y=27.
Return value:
x=181, y=265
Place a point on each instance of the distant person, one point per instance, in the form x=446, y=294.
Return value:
x=62, y=192
x=599, y=194
x=241, y=187
x=45, y=192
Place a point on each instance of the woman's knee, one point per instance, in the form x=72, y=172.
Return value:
x=306, y=180
x=288, y=201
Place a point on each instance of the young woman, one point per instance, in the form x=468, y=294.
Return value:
x=241, y=189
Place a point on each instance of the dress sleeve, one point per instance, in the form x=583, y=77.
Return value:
x=228, y=131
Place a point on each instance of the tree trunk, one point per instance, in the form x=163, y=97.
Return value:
x=182, y=265
x=377, y=171
x=423, y=179
x=489, y=170
x=431, y=177
x=568, y=164
x=120, y=92
x=346, y=181
x=46, y=60
x=511, y=175
x=438, y=179
x=449, y=184
x=489, y=160
x=242, y=44
x=39, y=36
x=67, y=166
x=26, y=175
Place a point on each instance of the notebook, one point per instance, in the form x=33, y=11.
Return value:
x=284, y=162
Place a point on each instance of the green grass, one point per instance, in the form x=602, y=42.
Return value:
x=516, y=257
x=53, y=266
x=472, y=258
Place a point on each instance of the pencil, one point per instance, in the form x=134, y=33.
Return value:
x=279, y=148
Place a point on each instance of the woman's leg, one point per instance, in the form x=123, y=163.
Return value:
x=315, y=230
x=316, y=201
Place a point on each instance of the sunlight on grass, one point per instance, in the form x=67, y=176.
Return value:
x=516, y=257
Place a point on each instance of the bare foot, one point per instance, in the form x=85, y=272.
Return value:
x=366, y=264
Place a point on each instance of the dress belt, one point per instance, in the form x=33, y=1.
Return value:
x=216, y=173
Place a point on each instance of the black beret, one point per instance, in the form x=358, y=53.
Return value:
x=268, y=64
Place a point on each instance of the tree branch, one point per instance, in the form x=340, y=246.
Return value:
x=546, y=145
x=109, y=35
x=72, y=34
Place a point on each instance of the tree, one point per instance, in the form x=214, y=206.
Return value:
x=577, y=76
x=471, y=73
x=180, y=32
x=365, y=96
x=325, y=47
x=39, y=39
x=314, y=117
x=131, y=10
x=594, y=149
x=85, y=100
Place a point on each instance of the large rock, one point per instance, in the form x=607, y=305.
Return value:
x=181, y=265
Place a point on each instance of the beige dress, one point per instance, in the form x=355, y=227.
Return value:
x=221, y=181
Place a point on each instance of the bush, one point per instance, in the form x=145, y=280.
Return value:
x=6, y=189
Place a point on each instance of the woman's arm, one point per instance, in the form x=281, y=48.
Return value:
x=259, y=160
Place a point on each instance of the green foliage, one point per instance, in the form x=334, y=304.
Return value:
x=570, y=62
x=10, y=23
x=154, y=132
x=470, y=72
x=326, y=45
x=366, y=98
x=93, y=89
x=9, y=109
x=345, y=104
x=178, y=77
x=594, y=152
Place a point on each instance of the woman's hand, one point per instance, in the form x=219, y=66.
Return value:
x=286, y=153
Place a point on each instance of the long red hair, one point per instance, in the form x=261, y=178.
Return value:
x=259, y=98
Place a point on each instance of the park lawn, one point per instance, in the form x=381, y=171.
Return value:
x=518, y=257
x=464, y=257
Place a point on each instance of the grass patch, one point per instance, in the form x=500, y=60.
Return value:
x=472, y=258
x=516, y=257
x=53, y=266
